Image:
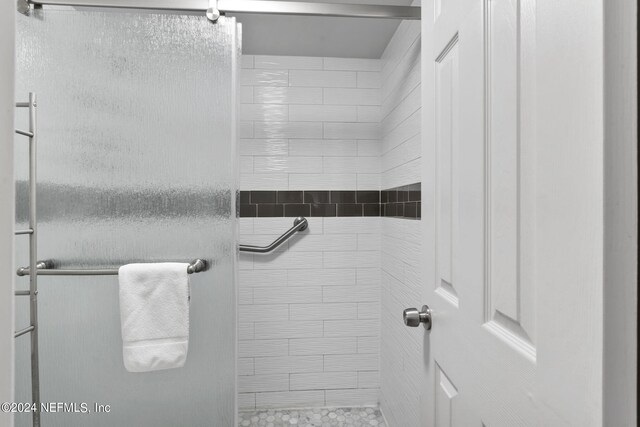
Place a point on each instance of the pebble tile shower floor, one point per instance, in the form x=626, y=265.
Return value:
x=314, y=417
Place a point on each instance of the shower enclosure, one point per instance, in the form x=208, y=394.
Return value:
x=136, y=163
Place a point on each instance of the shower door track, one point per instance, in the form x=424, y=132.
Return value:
x=214, y=8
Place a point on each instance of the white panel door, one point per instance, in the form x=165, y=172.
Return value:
x=508, y=346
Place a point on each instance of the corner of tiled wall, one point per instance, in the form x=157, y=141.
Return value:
x=401, y=149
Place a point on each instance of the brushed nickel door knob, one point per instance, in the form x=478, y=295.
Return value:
x=413, y=317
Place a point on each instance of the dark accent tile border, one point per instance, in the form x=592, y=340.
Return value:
x=324, y=209
x=399, y=202
x=290, y=197
x=343, y=197
x=372, y=209
x=297, y=209
x=316, y=197
x=368, y=196
x=402, y=202
x=350, y=209
x=269, y=210
x=261, y=197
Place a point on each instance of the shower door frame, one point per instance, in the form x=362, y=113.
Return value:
x=269, y=7
x=7, y=208
x=8, y=172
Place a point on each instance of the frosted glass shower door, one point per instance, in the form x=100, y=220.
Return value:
x=136, y=163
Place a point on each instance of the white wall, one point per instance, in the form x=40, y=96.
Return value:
x=309, y=313
x=401, y=101
x=7, y=13
x=401, y=238
x=315, y=307
x=309, y=123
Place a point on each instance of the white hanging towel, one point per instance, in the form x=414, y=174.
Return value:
x=154, y=315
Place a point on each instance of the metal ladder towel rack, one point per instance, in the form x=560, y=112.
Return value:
x=32, y=232
x=299, y=224
x=38, y=268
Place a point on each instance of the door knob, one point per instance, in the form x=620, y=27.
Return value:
x=412, y=317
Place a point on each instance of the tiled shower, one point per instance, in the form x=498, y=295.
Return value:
x=336, y=140
x=235, y=213
x=320, y=336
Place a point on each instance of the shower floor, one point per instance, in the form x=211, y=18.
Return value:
x=312, y=417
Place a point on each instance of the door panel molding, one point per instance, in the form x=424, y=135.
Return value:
x=447, y=133
x=510, y=305
x=445, y=393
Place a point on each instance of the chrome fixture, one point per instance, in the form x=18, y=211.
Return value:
x=214, y=9
x=46, y=268
x=213, y=14
x=24, y=8
x=40, y=265
x=413, y=318
x=299, y=224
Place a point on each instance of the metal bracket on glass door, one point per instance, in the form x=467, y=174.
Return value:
x=212, y=11
x=23, y=7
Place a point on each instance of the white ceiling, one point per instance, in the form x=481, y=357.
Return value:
x=318, y=36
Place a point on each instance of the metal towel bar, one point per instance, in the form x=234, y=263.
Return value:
x=46, y=268
x=299, y=224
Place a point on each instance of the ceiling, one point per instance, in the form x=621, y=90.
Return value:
x=318, y=36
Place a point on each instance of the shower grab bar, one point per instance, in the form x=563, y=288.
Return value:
x=299, y=224
x=46, y=268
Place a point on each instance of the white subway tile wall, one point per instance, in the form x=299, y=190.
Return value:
x=309, y=317
x=310, y=123
x=400, y=372
x=309, y=314
x=401, y=151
